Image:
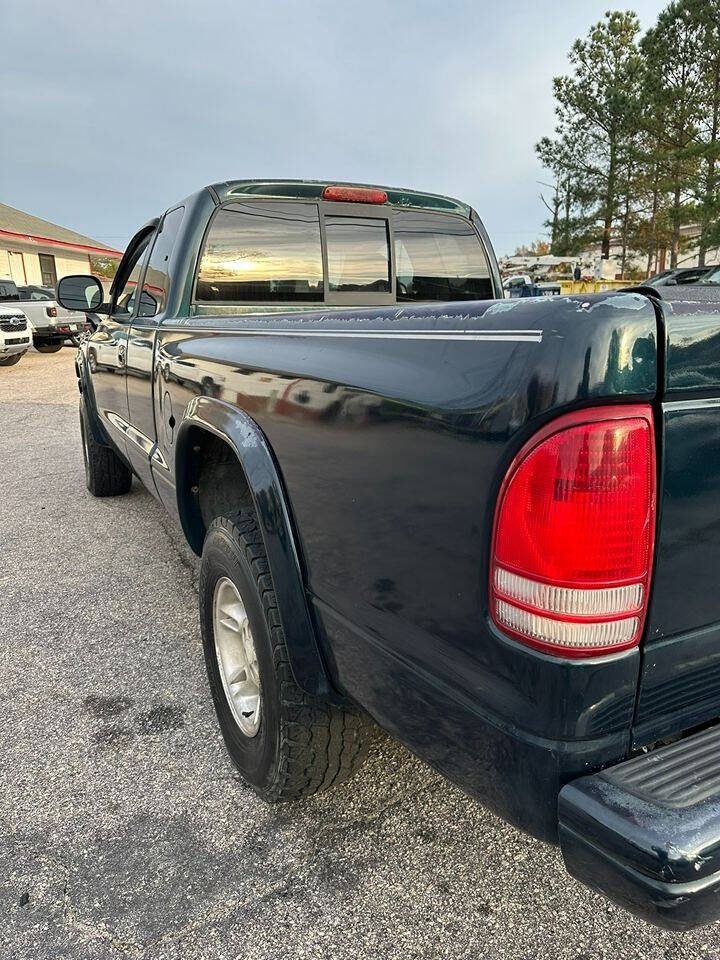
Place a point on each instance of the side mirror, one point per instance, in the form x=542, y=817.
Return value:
x=80, y=292
x=671, y=282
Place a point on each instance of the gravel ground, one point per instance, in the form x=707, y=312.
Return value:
x=126, y=831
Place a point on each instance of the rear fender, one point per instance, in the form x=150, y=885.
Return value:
x=271, y=505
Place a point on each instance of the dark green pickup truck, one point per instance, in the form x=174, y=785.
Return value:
x=491, y=526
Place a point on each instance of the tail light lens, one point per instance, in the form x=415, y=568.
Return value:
x=574, y=532
x=51, y=311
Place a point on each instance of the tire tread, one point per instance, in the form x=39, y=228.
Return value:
x=321, y=744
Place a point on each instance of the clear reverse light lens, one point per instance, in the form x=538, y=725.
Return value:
x=579, y=636
x=568, y=600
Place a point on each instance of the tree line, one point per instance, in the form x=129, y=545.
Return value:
x=635, y=154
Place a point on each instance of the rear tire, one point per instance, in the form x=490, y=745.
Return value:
x=105, y=473
x=294, y=745
x=47, y=346
x=11, y=360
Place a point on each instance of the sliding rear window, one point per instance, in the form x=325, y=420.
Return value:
x=439, y=257
x=295, y=252
x=358, y=254
x=262, y=253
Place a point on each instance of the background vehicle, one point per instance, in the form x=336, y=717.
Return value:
x=515, y=285
x=679, y=276
x=14, y=335
x=710, y=279
x=523, y=285
x=505, y=554
x=34, y=292
x=51, y=324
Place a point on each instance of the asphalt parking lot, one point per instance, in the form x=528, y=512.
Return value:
x=126, y=832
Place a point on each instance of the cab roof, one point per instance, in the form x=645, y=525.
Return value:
x=312, y=190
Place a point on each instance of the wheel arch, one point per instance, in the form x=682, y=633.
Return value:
x=206, y=423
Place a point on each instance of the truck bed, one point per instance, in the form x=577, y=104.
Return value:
x=392, y=429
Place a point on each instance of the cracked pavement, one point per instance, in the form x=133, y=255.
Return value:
x=126, y=832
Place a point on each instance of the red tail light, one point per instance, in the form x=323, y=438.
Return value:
x=51, y=311
x=355, y=194
x=574, y=532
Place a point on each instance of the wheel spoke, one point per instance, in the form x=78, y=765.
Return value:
x=252, y=667
x=235, y=616
x=238, y=675
x=246, y=698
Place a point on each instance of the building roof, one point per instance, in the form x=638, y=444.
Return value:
x=24, y=226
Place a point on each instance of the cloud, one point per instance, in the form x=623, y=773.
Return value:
x=116, y=112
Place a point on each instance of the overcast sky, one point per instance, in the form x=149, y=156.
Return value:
x=112, y=111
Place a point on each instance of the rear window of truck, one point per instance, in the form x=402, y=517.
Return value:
x=272, y=252
x=439, y=258
x=8, y=291
x=358, y=254
x=262, y=253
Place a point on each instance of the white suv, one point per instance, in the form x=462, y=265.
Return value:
x=15, y=335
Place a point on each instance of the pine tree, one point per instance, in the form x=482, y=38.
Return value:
x=673, y=82
x=706, y=15
x=600, y=101
x=636, y=151
x=571, y=208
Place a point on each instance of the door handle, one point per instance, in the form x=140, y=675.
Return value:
x=122, y=349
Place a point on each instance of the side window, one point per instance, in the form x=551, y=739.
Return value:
x=157, y=276
x=439, y=257
x=262, y=253
x=125, y=296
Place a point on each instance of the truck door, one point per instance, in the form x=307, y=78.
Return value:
x=107, y=348
x=141, y=381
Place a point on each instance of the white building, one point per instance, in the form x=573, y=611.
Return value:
x=35, y=251
x=637, y=262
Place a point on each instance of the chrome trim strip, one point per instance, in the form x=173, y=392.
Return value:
x=116, y=421
x=530, y=336
x=691, y=404
x=140, y=440
x=158, y=458
x=131, y=433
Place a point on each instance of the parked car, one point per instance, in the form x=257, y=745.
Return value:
x=51, y=325
x=711, y=279
x=522, y=285
x=33, y=292
x=519, y=285
x=506, y=556
x=14, y=335
x=679, y=276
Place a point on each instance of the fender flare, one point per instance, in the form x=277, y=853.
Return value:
x=256, y=459
x=87, y=395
